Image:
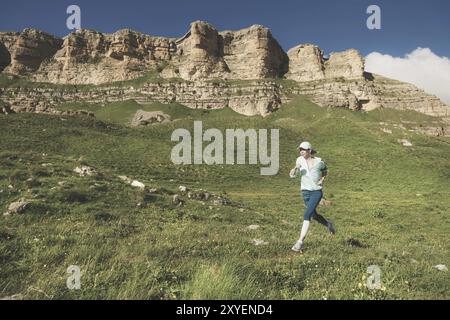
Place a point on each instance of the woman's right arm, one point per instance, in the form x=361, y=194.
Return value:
x=295, y=170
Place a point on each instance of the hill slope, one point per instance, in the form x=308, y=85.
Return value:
x=389, y=202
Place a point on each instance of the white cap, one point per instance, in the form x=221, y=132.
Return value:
x=305, y=145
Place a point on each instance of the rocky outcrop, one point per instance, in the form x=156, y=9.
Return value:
x=307, y=63
x=199, y=54
x=200, y=61
x=143, y=118
x=5, y=56
x=249, y=98
x=204, y=53
x=90, y=57
x=253, y=53
x=26, y=51
x=348, y=64
x=372, y=92
x=17, y=207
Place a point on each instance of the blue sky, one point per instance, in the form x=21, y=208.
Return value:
x=333, y=25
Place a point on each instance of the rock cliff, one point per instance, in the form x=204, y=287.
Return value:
x=204, y=68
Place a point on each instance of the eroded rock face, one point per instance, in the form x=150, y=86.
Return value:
x=90, y=57
x=204, y=53
x=253, y=53
x=143, y=118
x=199, y=54
x=306, y=63
x=252, y=98
x=348, y=64
x=375, y=92
x=5, y=57
x=17, y=207
x=27, y=51
x=7, y=40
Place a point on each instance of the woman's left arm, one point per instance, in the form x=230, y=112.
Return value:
x=324, y=174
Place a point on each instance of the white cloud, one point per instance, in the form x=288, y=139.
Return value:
x=421, y=67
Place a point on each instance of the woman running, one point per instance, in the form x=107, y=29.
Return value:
x=313, y=172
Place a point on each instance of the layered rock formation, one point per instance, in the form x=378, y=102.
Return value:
x=253, y=53
x=23, y=53
x=249, y=98
x=348, y=64
x=204, y=53
x=372, y=92
x=307, y=63
x=90, y=57
x=201, y=55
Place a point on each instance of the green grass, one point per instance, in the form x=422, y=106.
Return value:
x=122, y=112
x=390, y=205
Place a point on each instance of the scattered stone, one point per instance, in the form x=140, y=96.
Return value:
x=253, y=227
x=259, y=242
x=143, y=118
x=441, y=267
x=17, y=207
x=85, y=171
x=153, y=190
x=386, y=130
x=10, y=186
x=221, y=201
x=183, y=189
x=176, y=200
x=137, y=184
x=241, y=210
x=405, y=142
x=125, y=179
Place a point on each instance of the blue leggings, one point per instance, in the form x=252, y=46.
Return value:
x=312, y=200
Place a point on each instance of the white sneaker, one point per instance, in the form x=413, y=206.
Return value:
x=298, y=246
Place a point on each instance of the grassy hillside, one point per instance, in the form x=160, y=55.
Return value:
x=390, y=204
